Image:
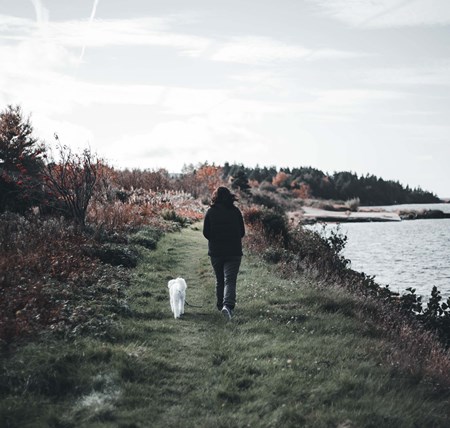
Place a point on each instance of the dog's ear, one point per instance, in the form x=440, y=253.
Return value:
x=169, y=284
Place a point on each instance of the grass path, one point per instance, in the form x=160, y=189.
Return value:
x=294, y=355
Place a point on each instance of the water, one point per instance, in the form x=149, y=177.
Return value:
x=417, y=207
x=413, y=253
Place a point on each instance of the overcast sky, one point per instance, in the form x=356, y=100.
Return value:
x=355, y=85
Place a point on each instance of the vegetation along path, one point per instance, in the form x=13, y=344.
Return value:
x=294, y=355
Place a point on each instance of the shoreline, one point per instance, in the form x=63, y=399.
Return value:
x=310, y=215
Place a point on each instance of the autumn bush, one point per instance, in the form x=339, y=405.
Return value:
x=53, y=271
x=139, y=207
x=156, y=180
x=72, y=180
x=47, y=279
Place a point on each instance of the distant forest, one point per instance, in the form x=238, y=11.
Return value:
x=310, y=182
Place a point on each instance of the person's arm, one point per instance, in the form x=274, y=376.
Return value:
x=241, y=224
x=206, y=226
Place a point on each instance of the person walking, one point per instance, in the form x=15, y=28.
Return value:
x=224, y=229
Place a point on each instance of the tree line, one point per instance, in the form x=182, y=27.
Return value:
x=309, y=182
x=31, y=176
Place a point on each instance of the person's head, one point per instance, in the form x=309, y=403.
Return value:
x=222, y=195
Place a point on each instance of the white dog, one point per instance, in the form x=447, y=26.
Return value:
x=177, y=292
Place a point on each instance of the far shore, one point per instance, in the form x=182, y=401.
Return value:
x=310, y=215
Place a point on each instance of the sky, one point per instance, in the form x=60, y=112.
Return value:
x=339, y=85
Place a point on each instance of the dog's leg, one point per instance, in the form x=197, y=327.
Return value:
x=176, y=304
x=182, y=301
x=172, y=303
x=179, y=303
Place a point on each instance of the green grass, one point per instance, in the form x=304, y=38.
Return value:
x=294, y=355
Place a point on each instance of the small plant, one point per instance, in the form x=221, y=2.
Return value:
x=171, y=215
x=272, y=255
x=436, y=316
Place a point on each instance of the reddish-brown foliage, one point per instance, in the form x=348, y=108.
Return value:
x=141, y=207
x=303, y=191
x=202, y=181
x=41, y=262
x=281, y=179
x=210, y=176
x=143, y=179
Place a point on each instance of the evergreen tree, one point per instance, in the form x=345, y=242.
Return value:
x=240, y=181
x=20, y=162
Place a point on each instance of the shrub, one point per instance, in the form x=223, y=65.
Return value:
x=266, y=228
x=353, y=204
x=436, y=316
x=260, y=198
x=267, y=186
x=147, y=237
x=47, y=279
x=118, y=216
x=171, y=215
x=274, y=224
x=272, y=255
x=116, y=255
x=72, y=180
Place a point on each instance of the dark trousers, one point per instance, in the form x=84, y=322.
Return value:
x=226, y=270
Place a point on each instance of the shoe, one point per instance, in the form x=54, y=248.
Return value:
x=227, y=313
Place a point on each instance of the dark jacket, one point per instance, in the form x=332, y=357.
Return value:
x=224, y=229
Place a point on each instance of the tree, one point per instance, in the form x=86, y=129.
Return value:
x=211, y=177
x=20, y=162
x=72, y=180
x=240, y=181
x=202, y=180
x=282, y=179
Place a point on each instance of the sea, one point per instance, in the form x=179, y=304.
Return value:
x=408, y=253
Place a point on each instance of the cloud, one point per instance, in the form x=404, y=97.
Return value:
x=387, y=13
x=69, y=133
x=196, y=139
x=126, y=32
x=334, y=54
x=101, y=33
x=437, y=73
x=250, y=50
x=264, y=50
x=174, y=143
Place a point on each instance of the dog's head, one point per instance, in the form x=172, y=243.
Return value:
x=179, y=283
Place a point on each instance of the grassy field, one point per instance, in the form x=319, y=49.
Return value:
x=294, y=355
